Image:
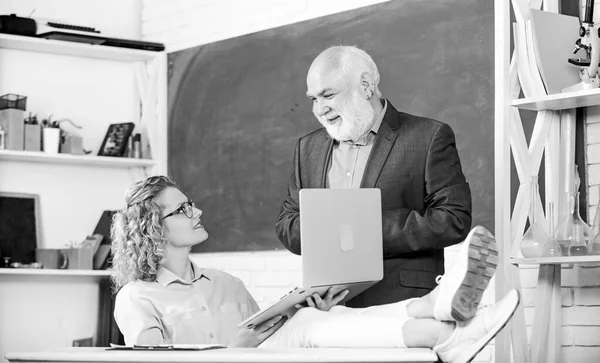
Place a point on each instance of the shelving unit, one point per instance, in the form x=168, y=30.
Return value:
x=46, y=296
x=555, y=260
x=88, y=160
x=553, y=138
x=60, y=47
x=560, y=101
x=151, y=76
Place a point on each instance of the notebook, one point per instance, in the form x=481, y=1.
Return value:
x=342, y=248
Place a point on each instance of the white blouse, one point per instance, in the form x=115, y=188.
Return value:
x=170, y=310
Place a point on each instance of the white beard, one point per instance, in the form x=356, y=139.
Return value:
x=356, y=117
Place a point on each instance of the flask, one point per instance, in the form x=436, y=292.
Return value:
x=594, y=244
x=535, y=239
x=553, y=249
x=572, y=233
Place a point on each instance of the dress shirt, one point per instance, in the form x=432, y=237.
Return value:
x=348, y=160
x=171, y=310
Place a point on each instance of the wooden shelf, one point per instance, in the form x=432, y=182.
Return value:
x=566, y=260
x=54, y=272
x=74, y=49
x=560, y=101
x=89, y=160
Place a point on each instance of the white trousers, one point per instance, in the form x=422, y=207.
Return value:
x=341, y=327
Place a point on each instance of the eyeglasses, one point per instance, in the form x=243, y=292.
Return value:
x=187, y=208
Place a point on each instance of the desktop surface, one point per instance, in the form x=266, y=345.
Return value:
x=235, y=355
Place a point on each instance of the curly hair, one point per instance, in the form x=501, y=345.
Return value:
x=138, y=245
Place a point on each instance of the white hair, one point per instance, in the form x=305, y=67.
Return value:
x=354, y=61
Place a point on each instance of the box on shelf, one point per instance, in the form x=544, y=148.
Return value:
x=79, y=258
x=33, y=137
x=71, y=144
x=11, y=121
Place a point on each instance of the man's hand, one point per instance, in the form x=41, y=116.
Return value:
x=326, y=303
x=252, y=338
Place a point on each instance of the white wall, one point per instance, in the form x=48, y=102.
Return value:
x=44, y=312
x=183, y=24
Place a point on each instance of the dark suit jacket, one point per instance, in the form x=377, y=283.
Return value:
x=426, y=200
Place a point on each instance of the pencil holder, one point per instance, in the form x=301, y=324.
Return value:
x=51, y=140
x=11, y=100
x=33, y=137
x=11, y=121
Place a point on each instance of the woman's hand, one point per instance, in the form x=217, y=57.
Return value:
x=330, y=300
x=253, y=337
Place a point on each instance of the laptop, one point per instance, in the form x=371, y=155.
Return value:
x=342, y=247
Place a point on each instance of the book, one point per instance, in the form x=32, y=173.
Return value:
x=160, y=347
x=554, y=37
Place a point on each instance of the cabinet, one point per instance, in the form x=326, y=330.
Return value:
x=554, y=138
x=46, y=308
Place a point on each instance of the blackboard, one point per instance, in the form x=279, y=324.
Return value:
x=237, y=107
x=19, y=226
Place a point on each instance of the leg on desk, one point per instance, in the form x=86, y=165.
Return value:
x=460, y=289
x=453, y=342
x=421, y=322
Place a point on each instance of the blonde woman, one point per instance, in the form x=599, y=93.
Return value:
x=163, y=297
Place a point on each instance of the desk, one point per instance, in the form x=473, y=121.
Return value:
x=237, y=355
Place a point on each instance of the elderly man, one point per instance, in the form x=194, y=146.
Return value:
x=366, y=143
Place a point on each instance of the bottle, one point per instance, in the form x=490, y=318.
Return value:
x=2, y=138
x=594, y=244
x=137, y=146
x=553, y=249
x=535, y=239
x=572, y=233
x=129, y=149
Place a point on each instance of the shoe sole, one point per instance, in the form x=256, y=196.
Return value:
x=469, y=356
x=481, y=266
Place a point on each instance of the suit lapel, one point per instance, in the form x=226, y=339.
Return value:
x=386, y=137
x=322, y=157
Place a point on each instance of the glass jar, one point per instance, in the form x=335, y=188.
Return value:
x=535, y=239
x=572, y=233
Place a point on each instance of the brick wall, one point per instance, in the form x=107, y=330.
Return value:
x=592, y=136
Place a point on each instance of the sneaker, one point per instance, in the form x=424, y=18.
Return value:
x=470, y=337
x=461, y=288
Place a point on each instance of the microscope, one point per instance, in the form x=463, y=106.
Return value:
x=589, y=41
